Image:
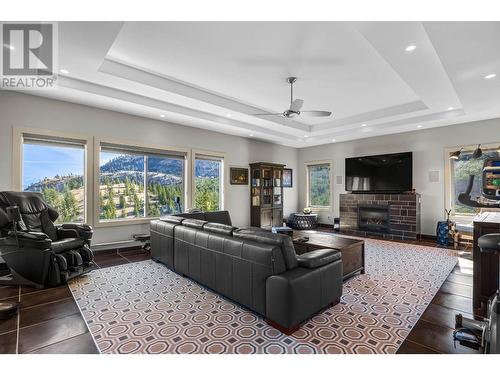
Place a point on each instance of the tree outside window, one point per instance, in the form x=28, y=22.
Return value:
x=56, y=169
x=319, y=185
x=139, y=186
x=208, y=184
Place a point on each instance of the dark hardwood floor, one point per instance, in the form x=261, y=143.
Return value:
x=433, y=333
x=49, y=321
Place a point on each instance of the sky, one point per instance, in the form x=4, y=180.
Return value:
x=40, y=161
x=47, y=161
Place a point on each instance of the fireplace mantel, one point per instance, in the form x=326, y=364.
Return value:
x=404, y=209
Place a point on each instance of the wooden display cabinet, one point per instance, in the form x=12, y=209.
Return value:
x=266, y=195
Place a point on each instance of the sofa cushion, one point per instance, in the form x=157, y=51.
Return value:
x=194, y=223
x=285, y=242
x=252, y=229
x=193, y=215
x=173, y=219
x=219, y=228
x=318, y=258
x=221, y=217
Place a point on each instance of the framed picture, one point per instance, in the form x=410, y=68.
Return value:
x=238, y=176
x=287, y=178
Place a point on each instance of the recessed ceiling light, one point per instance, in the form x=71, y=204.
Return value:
x=305, y=136
x=9, y=47
x=228, y=115
x=162, y=116
x=451, y=108
x=419, y=126
x=250, y=135
x=363, y=125
x=64, y=71
x=490, y=76
x=334, y=140
x=410, y=48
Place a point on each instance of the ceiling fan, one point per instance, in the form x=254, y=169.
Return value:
x=295, y=106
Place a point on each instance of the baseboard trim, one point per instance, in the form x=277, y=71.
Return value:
x=429, y=237
x=111, y=247
x=323, y=225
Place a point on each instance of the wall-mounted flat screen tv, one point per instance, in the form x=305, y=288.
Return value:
x=390, y=173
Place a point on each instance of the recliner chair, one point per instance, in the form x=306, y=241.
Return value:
x=36, y=251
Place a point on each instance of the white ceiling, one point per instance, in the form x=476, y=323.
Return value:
x=216, y=75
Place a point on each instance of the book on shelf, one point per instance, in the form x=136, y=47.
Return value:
x=256, y=201
x=255, y=182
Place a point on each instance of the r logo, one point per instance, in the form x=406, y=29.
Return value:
x=28, y=55
x=28, y=49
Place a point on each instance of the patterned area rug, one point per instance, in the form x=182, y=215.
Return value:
x=145, y=308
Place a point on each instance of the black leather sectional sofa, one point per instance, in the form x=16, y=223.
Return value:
x=256, y=268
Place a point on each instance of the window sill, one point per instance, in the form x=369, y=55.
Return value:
x=321, y=209
x=120, y=223
x=462, y=219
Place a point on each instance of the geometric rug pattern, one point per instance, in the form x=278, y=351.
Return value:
x=146, y=308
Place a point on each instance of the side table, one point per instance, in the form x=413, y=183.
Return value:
x=301, y=221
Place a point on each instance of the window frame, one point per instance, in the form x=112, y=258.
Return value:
x=135, y=147
x=307, y=185
x=210, y=155
x=449, y=186
x=18, y=135
x=92, y=146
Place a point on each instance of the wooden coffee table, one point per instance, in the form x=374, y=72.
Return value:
x=353, y=250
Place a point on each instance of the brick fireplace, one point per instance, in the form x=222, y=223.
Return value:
x=388, y=216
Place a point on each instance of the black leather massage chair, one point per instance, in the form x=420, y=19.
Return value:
x=37, y=252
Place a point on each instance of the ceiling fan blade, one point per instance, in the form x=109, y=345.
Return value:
x=268, y=114
x=296, y=105
x=316, y=113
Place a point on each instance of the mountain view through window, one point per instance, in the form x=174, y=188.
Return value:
x=56, y=171
x=131, y=185
x=123, y=193
x=207, y=195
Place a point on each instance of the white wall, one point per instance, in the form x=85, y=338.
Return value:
x=428, y=155
x=20, y=110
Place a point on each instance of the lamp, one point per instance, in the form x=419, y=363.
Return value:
x=477, y=152
x=456, y=154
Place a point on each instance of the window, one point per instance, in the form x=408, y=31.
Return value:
x=318, y=181
x=208, y=183
x=56, y=168
x=137, y=184
x=459, y=171
x=165, y=185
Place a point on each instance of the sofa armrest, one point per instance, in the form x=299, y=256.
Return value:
x=318, y=258
x=34, y=240
x=298, y=294
x=35, y=236
x=80, y=227
x=84, y=231
x=67, y=233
